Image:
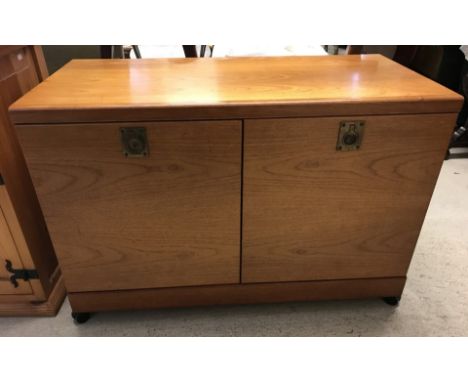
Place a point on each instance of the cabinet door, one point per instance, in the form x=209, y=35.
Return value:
x=9, y=252
x=312, y=212
x=170, y=218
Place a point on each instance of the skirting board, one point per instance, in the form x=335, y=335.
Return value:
x=236, y=294
x=47, y=308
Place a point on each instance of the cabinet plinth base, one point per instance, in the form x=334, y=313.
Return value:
x=47, y=308
x=235, y=294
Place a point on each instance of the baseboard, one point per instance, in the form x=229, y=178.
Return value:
x=236, y=294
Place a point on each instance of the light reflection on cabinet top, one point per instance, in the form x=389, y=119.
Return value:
x=248, y=87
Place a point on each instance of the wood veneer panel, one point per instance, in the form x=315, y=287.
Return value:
x=50, y=307
x=312, y=212
x=169, y=219
x=235, y=294
x=17, y=73
x=27, y=261
x=8, y=251
x=226, y=88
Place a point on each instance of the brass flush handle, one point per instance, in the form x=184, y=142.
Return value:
x=350, y=135
x=134, y=141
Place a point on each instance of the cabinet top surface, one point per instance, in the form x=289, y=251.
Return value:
x=229, y=87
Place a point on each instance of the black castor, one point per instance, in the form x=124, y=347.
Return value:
x=81, y=318
x=393, y=301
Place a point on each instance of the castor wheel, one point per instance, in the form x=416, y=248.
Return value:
x=81, y=318
x=393, y=301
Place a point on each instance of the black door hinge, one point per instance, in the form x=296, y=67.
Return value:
x=20, y=274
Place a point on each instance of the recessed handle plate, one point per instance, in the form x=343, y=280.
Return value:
x=350, y=135
x=134, y=141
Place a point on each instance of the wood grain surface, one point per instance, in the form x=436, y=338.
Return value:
x=48, y=308
x=236, y=294
x=8, y=251
x=312, y=212
x=23, y=250
x=18, y=72
x=21, y=68
x=227, y=88
x=165, y=230
x=169, y=219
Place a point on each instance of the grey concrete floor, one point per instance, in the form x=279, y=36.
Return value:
x=434, y=302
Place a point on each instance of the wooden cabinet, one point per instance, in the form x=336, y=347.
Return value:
x=30, y=279
x=189, y=182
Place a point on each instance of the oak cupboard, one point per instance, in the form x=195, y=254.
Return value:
x=30, y=279
x=242, y=180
